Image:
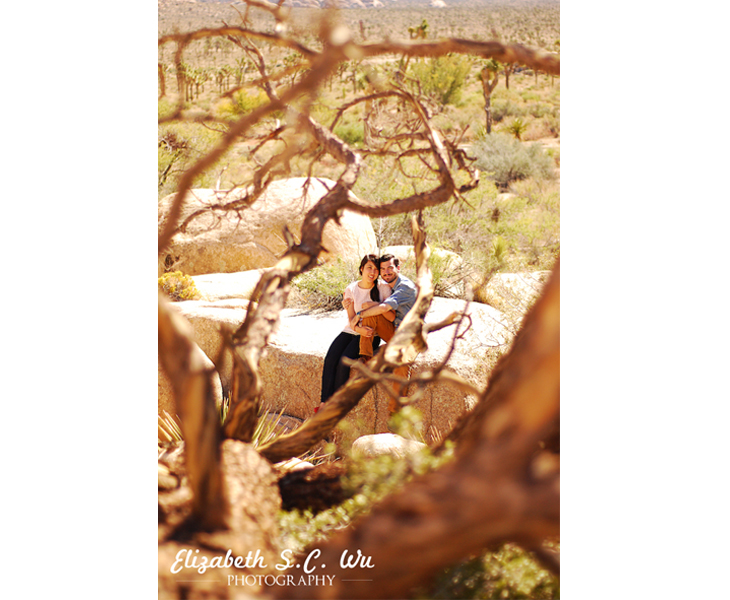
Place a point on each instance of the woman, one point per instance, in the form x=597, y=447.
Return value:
x=358, y=296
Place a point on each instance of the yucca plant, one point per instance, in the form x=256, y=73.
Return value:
x=169, y=431
x=517, y=127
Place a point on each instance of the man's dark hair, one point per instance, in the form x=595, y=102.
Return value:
x=387, y=257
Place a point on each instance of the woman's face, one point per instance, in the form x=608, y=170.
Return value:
x=370, y=272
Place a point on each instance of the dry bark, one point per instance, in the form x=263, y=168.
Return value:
x=315, y=489
x=199, y=419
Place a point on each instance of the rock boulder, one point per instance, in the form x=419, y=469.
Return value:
x=291, y=366
x=385, y=443
x=225, y=242
x=207, y=318
x=226, y=286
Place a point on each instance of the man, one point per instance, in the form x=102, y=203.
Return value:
x=373, y=318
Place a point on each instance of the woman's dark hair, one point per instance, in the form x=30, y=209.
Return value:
x=374, y=294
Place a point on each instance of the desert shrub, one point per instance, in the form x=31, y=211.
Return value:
x=448, y=277
x=506, y=108
x=178, y=286
x=240, y=103
x=199, y=140
x=511, y=572
x=536, y=130
x=171, y=148
x=554, y=153
x=502, y=93
x=165, y=107
x=504, y=159
x=350, y=132
x=553, y=123
x=529, y=96
x=539, y=110
x=442, y=78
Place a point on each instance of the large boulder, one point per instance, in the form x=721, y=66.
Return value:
x=229, y=241
x=224, y=286
x=207, y=319
x=291, y=365
x=291, y=368
x=385, y=443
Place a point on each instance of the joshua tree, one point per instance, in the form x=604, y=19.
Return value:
x=489, y=76
x=517, y=127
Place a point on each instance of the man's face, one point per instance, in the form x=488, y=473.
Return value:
x=388, y=271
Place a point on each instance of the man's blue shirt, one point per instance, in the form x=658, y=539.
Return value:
x=402, y=299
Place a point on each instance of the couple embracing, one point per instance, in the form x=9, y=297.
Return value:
x=374, y=311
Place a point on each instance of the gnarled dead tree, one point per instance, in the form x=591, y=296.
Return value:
x=496, y=490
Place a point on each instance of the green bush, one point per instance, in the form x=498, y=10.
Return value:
x=178, y=286
x=506, y=108
x=240, y=103
x=350, y=132
x=539, y=110
x=504, y=160
x=442, y=78
x=511, y=572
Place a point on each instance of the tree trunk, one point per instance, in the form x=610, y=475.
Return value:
x=198, y=417
x=488, y=111
x=487, y=89
x=161, y=75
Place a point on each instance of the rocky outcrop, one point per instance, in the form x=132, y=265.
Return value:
x=385, y=443
x=226, y=286
x=302, y=341
x=291, y=366
x=219, y=241
x=207, y=319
